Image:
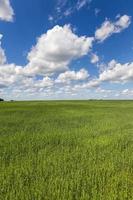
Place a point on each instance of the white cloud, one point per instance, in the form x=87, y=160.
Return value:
x=45, y=82
x=68, y=76
x=56, y=49
x=104, y=31
x=94, y=83
x=50, y=58
x=10, y=74
x=116, y=72
x=108, y=27
x=6, y=11
x=91, y=84
x=122, y=23
x=53, y=53
x=94, y=58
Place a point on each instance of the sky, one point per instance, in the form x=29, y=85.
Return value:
x=66, y=49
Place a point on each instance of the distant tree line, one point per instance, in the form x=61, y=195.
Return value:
x=1, y=99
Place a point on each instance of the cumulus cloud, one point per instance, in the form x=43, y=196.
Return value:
x=10, y=74
x=53, y=53
x=47, y=70
x=14, y=77
x=45, y=82
x=94, y=58
x=94, y=83
x=117, y=72
x=108, y=27
x=91, y=84
x=68, y=76
x=6, y=11
x=56, y=49
x=114, y=72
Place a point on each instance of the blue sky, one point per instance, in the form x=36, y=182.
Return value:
x=67, y=49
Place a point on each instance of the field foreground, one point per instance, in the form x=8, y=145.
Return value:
x=66, y=150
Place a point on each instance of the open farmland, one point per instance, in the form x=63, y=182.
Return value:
x=66, y=150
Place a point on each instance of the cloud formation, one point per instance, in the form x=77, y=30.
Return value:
x=56, y=49
x=94, y=58
x=117, y=72
x=48, y=71
x=69, y=76
x=108, y=28
x=6, y=11
x=50, y=56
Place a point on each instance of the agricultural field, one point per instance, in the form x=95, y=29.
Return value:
x=66, y=150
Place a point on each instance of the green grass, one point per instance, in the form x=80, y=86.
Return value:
x=66, y=150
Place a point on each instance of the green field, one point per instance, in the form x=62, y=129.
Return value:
x=66, y=150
